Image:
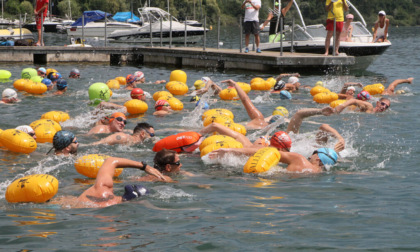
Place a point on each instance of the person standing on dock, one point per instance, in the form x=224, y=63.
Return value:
x=40, y=12
x=251, y=22
x=335, y=9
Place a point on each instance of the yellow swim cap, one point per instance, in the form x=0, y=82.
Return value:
x=199, y=84
x=319, y=83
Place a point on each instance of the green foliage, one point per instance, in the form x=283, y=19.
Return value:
x=12, y=7
x=26, y=7
x=72, y=11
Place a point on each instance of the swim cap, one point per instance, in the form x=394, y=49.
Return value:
x=205, y=106
x=327, y=156
x=115, y=115
x=134, y=191
x=285, y=95
x=54, y=76
x=274, y=118
x=159, y=104
x=351, y=88
x=279, y=85
x=61, y=84
x=138, y=75
x=26, y=129
x=319, y=83
x=130, y=79
x=350, y=16
x=9, y=93
x=74, y=72
x=364, y=96
x=42, y=70
x=62, y=139
x=281, y=140
x=195, y=98
x=136, y=93
x=47, y=82
x=382, y=13
x=199, y=84
x=293, y=80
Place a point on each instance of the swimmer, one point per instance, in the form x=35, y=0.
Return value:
x=9, y=96
x=162, y=108
x=364, y=106
x=42, y=72
x=61, y=87
x=64, y=143
x=391, y=88
x=316, y=163
x=292, y=83
x=54, y=77
x=117, y=123
x=27, y=129
x=101, y=194
x=110, y=105
x=348, y=90
x=209, y=84
x=141, y=132
x=141, y=79
x=74, y=74
x=130, y=82
x=168, y=163
x=138, y=93
x=47, y=83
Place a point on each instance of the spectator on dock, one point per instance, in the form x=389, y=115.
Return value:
x=251, y=22
x=272, y=18
x=40, y=12
x=347, y=32
x=335, y=9
x=380, y=31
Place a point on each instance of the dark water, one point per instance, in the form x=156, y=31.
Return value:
x=367, y=201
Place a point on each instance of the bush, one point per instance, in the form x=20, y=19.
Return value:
x=12, y=7
x=26, y=7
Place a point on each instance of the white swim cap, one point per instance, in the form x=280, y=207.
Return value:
x=293, y=80
x=351, y=88
x=138, y=75
x=9, y=93
x=25, y=128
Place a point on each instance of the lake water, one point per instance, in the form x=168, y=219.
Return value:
x=369, y=200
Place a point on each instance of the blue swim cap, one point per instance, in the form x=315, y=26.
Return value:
x=285, y=95
x=62, y=139
x=134, y=191
x=205, y=106
x=54, y=76
x=42, y=70
x=47, y=82
x=61, y=84
x=327, y=156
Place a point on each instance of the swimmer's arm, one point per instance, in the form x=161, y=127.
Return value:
x=110, y=105
x=217, y=127
x=342, y=95
x=364, y=106
x=287, y=75
x=235, y=151
x=328, y=129
x=117, y=138
x=349, y=84
x=297, y=119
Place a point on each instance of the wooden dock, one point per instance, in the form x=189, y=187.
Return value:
x=179, y=56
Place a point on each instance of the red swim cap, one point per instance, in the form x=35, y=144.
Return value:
x=160, y=103
x=136, y=93
x=130, y=78
x=281, y=140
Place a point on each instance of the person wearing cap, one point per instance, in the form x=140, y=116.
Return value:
x=101, y=194
x=130, y=82
x=54, y=77
x=347, y=32
x=74, y=74
x=380, y=30
x=27, y=129
x=318, y=162
x=391, y=88
x=348, y=90
x=9, y=96
x=291, y=85
x=117, y=122
x=42, y=72
x=64, y=143
x=61, y=85
x=335, y=9
x=208, y=84
x=47, y=82
x=382, y=105
x=141, y=132
x=141, y=79
x=138, y=93
x=274, y=21
x=162, y=108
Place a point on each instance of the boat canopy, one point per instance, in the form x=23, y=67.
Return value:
x=126, y=17
x=91, y=16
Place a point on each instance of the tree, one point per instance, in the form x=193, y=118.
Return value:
x=26, y=7
x=71, y=11
x=12, y=7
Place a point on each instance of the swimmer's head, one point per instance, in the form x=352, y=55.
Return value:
x=9, y=94
x=61, y=84
x=42, y=71
x=293, y=80
x=54, y=76
x=327, y=156
x=116, y=115
x=74, y=73
x=27, y=129
x=364, y=96
x=281, y=140
x=47, y=82
x=62, y=139
x=275, y=118
x=139, y=75
x=195, y=98
x=130, y=79
x=199, y=84
x=350, y=90
x=161, y=105
x=285, y=95
x=279, y=85
x=134, y=191
x=137, y=93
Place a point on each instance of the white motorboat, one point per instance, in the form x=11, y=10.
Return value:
x=157, y=22
x=94, y=25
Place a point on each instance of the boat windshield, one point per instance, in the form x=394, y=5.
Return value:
x=152, y=14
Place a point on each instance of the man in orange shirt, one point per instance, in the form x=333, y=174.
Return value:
x=41, y=11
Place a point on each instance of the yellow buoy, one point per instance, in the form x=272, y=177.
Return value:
x=222, y=144
x=335, y=103
x=199, y=84
x=272, y=81
x=56, y=125
x=113, y=84
x=57, y=116
x=215, y=139
x=218, y=111
x=1, y=145
x=245, y=86
x=158, y=94
x=121, y=80
x=37, y=188
x=374, y=89
x=260, y=84
x=177, y=87
x=17, y=141
x=238, y=128
x=89, y=165
x=175, y=104
x=20, y=84
x=281, y=111
x=229, y=94
x=216, y=118
x=35, y=87
x=136, y=106
x=318, y=89
x=44, y=133
x=262, y=160
x=326, y=97
x=178, y=75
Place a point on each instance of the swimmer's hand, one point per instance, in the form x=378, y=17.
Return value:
x=155, y=172
x=218, y=153
x=327, y=111
x=340, y=145
x=230, y=83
